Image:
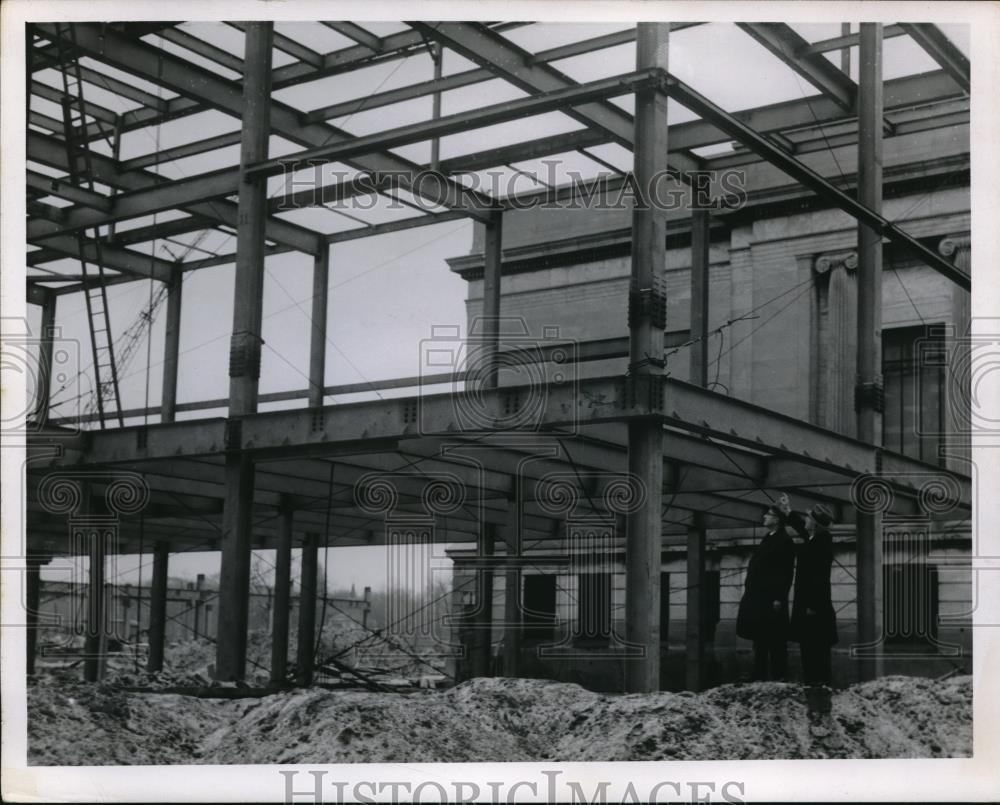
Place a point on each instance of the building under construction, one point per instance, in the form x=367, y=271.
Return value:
x=708, y=309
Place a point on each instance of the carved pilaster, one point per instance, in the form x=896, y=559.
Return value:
x=837, y=302
x=958, y=391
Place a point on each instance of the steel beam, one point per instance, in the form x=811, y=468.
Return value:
x=288, y=45
x=848, y=40
x=132, y=262
x=360, y=35
x=562, y=98
x=206, y=87
x=782, y=41
x=516, y=65
x=181, y=151
x=869, y=391
x=940, y=48
x=51, y=151
x=176, y=194
x=703, y=107
x=202, y=48
x=67, y=191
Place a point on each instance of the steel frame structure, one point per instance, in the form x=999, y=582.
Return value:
x=253, y=479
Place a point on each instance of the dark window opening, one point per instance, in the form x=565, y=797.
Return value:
x=913, y=368
x=539, y=606
x=910, y=603
x=593, y=607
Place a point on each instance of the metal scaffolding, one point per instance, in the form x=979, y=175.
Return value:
x=262, y=479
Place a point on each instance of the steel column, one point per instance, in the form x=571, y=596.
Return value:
x=282, y=599
x=868, y=393
x=317, y=337
x=32, y=599
x=696, y=535
x=512, y=594
x=158, y=606
x=171, y=349
x=700, y=222
x=244, y=356
x=96, y=643
x=488, y=369
x=43, y=392
x=695, y=618
x=482, y=632
x=492, y=270
x=645, y=436
x=304, y=659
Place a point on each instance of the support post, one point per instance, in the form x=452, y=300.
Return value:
x=512, y=595
x=958, y=388
x=305, y=661
x=700, y=222
x=482, y=631
x=695, y=632
x=171, y=349
x=45, y=353
x=96, y=643
x=868, y=393
x=282, y=599
x=696, y=536
x=645, y=436
x=437, y=55
x=158, y=606
x=317, y=343
x=244, y=356
x=492, y=270
x=32, y=600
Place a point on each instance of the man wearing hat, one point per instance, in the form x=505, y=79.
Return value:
x=763, y=612
x=814, y=621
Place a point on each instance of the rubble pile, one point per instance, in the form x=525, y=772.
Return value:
x=101, y=725
x=501, y=720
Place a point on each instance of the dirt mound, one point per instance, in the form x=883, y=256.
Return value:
x=83, y=725
x=504, y=720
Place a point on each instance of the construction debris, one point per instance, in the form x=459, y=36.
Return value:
x=500, y=720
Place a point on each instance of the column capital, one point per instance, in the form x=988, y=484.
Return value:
x=955, y=246
x=824, y=263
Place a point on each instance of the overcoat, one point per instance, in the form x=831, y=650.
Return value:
x=769, y=578
x=814, y=559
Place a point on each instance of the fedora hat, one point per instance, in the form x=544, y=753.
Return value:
x=821, y=514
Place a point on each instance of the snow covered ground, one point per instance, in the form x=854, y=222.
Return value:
x=71, y=723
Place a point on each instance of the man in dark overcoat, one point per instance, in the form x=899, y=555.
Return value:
x=763, y=612
x=814, y=621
